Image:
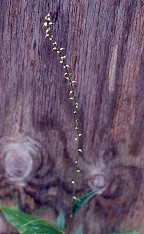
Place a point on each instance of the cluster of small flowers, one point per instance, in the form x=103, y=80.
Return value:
x=72, y=94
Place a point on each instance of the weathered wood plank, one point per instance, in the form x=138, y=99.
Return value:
x=104, y=44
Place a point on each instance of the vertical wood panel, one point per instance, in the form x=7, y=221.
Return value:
x=104, y=45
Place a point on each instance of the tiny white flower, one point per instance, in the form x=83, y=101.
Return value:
x=80, y=150
x=63, y=57
x=47, y=16
x=66, y=74
x=45, y=24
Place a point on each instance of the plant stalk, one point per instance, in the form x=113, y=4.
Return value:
x=72, y=97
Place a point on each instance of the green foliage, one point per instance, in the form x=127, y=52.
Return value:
x=61, y=221
x=80, y=202
x=80, y=230
x=27, y=224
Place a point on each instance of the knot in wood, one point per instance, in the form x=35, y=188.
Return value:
x=18, y=162
x=96, y=180
x=20, y=158
x=18, y=165
x=123, y=189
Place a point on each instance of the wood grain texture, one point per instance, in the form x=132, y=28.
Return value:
x=104, y=44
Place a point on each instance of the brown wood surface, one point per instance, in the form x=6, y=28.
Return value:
x=104, y=44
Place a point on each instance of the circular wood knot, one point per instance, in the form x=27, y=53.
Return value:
x=96, y=180
x=18, y=164
x=23, y=159
x=123, y=189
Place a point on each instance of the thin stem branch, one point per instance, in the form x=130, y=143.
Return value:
x=72, y=97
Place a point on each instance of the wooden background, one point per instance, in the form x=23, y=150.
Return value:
x=104, y=44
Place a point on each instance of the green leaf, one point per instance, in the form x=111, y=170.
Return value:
x=61, y=221
x=27, y=224
x=80, y=230
x=80, y=202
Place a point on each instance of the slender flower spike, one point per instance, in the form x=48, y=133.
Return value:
x=73, y=97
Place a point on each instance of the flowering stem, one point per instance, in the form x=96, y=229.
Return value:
x=73, y=97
